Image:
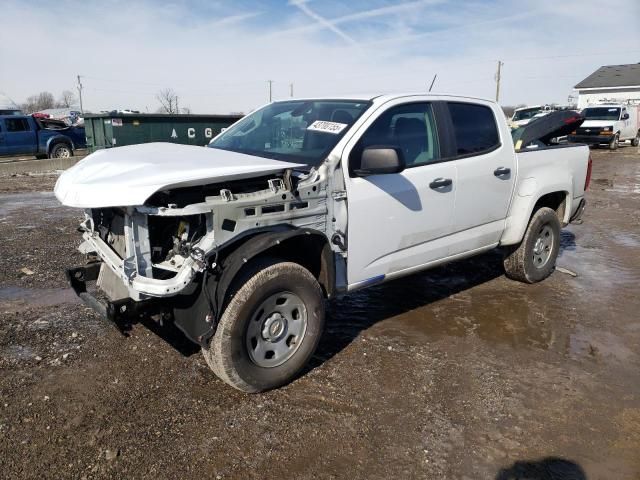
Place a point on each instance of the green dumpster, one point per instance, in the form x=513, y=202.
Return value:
x=110, y=130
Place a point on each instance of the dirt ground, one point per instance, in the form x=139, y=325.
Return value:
x=455, y=373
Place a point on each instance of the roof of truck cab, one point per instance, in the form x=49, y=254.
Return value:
x=385, y=97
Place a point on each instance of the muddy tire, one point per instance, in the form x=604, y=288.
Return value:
x=61, y=150
x=535, y=258
x=615, y=142
x=269, y=329
x=636, y=141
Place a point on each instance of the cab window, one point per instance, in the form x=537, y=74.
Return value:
x=17, y=125
x=410, y=128
x=474, y=128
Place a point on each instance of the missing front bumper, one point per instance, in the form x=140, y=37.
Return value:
x=117, y=311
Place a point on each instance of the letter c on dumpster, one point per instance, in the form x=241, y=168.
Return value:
x=191, y=132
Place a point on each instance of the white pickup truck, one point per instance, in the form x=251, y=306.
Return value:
x=240, y=243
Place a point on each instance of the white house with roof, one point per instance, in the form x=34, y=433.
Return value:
x=611, y=84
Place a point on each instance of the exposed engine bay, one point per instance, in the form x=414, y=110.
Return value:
x=156, y=249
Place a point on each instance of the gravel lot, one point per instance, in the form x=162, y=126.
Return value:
x=456, y=373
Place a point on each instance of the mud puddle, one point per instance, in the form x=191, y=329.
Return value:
x=45, y=203
x=18, y=298
x=473, y=300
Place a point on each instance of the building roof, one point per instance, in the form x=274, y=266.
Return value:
x=612, y=76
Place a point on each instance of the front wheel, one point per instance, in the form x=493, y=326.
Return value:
x=636, y=140
x=535, y=258
x=615, y=142
x=269, y=329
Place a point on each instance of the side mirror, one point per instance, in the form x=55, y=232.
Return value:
x=379, y=160
x=625, y=116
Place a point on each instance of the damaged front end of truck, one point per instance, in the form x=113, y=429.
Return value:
x=237, y=244
x=179, y=252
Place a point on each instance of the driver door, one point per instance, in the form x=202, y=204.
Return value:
x=399, y=221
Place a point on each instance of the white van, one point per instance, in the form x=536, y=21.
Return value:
x=610, y=124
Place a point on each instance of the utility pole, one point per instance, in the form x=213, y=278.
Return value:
x=80, y=94
x=270, y=82
x=291, y=90
x=500, y=64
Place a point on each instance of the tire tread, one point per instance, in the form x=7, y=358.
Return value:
x=515, y=264
x=218, y=355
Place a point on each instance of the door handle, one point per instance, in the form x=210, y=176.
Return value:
x=440, y=182
x=501, y=171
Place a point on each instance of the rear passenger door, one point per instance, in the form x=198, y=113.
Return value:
x=20, y=138
x=486, y=172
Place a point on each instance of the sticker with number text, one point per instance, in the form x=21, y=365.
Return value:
x=328, y=127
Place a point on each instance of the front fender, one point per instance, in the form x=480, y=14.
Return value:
x=197, y=310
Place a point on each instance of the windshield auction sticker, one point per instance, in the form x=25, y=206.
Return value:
x=327, y=127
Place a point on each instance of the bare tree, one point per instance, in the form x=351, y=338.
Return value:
x=67, y=99
x=38, y=102
x=168, y=101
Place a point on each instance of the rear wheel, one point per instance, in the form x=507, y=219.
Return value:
x=61, y=150
x=269, y=329
x=636, y=141
x=535, y=258
x=615, y=142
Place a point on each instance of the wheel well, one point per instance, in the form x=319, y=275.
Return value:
x=556, y=201
x=306, y=247
x=58, y=142
x=312, y=252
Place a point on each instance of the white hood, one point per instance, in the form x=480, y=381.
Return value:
x=597, y=123
x=128, y=176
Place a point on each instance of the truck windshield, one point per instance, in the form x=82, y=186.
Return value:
x=301, y=131
x=525, y=114
x=601, y=113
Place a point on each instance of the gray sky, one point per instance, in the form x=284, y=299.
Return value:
x=218, y=55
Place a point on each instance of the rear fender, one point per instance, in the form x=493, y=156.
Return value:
x=526, y=199
x=51, y=141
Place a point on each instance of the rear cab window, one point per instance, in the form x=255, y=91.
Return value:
x=17, y=125
x=475, y=130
